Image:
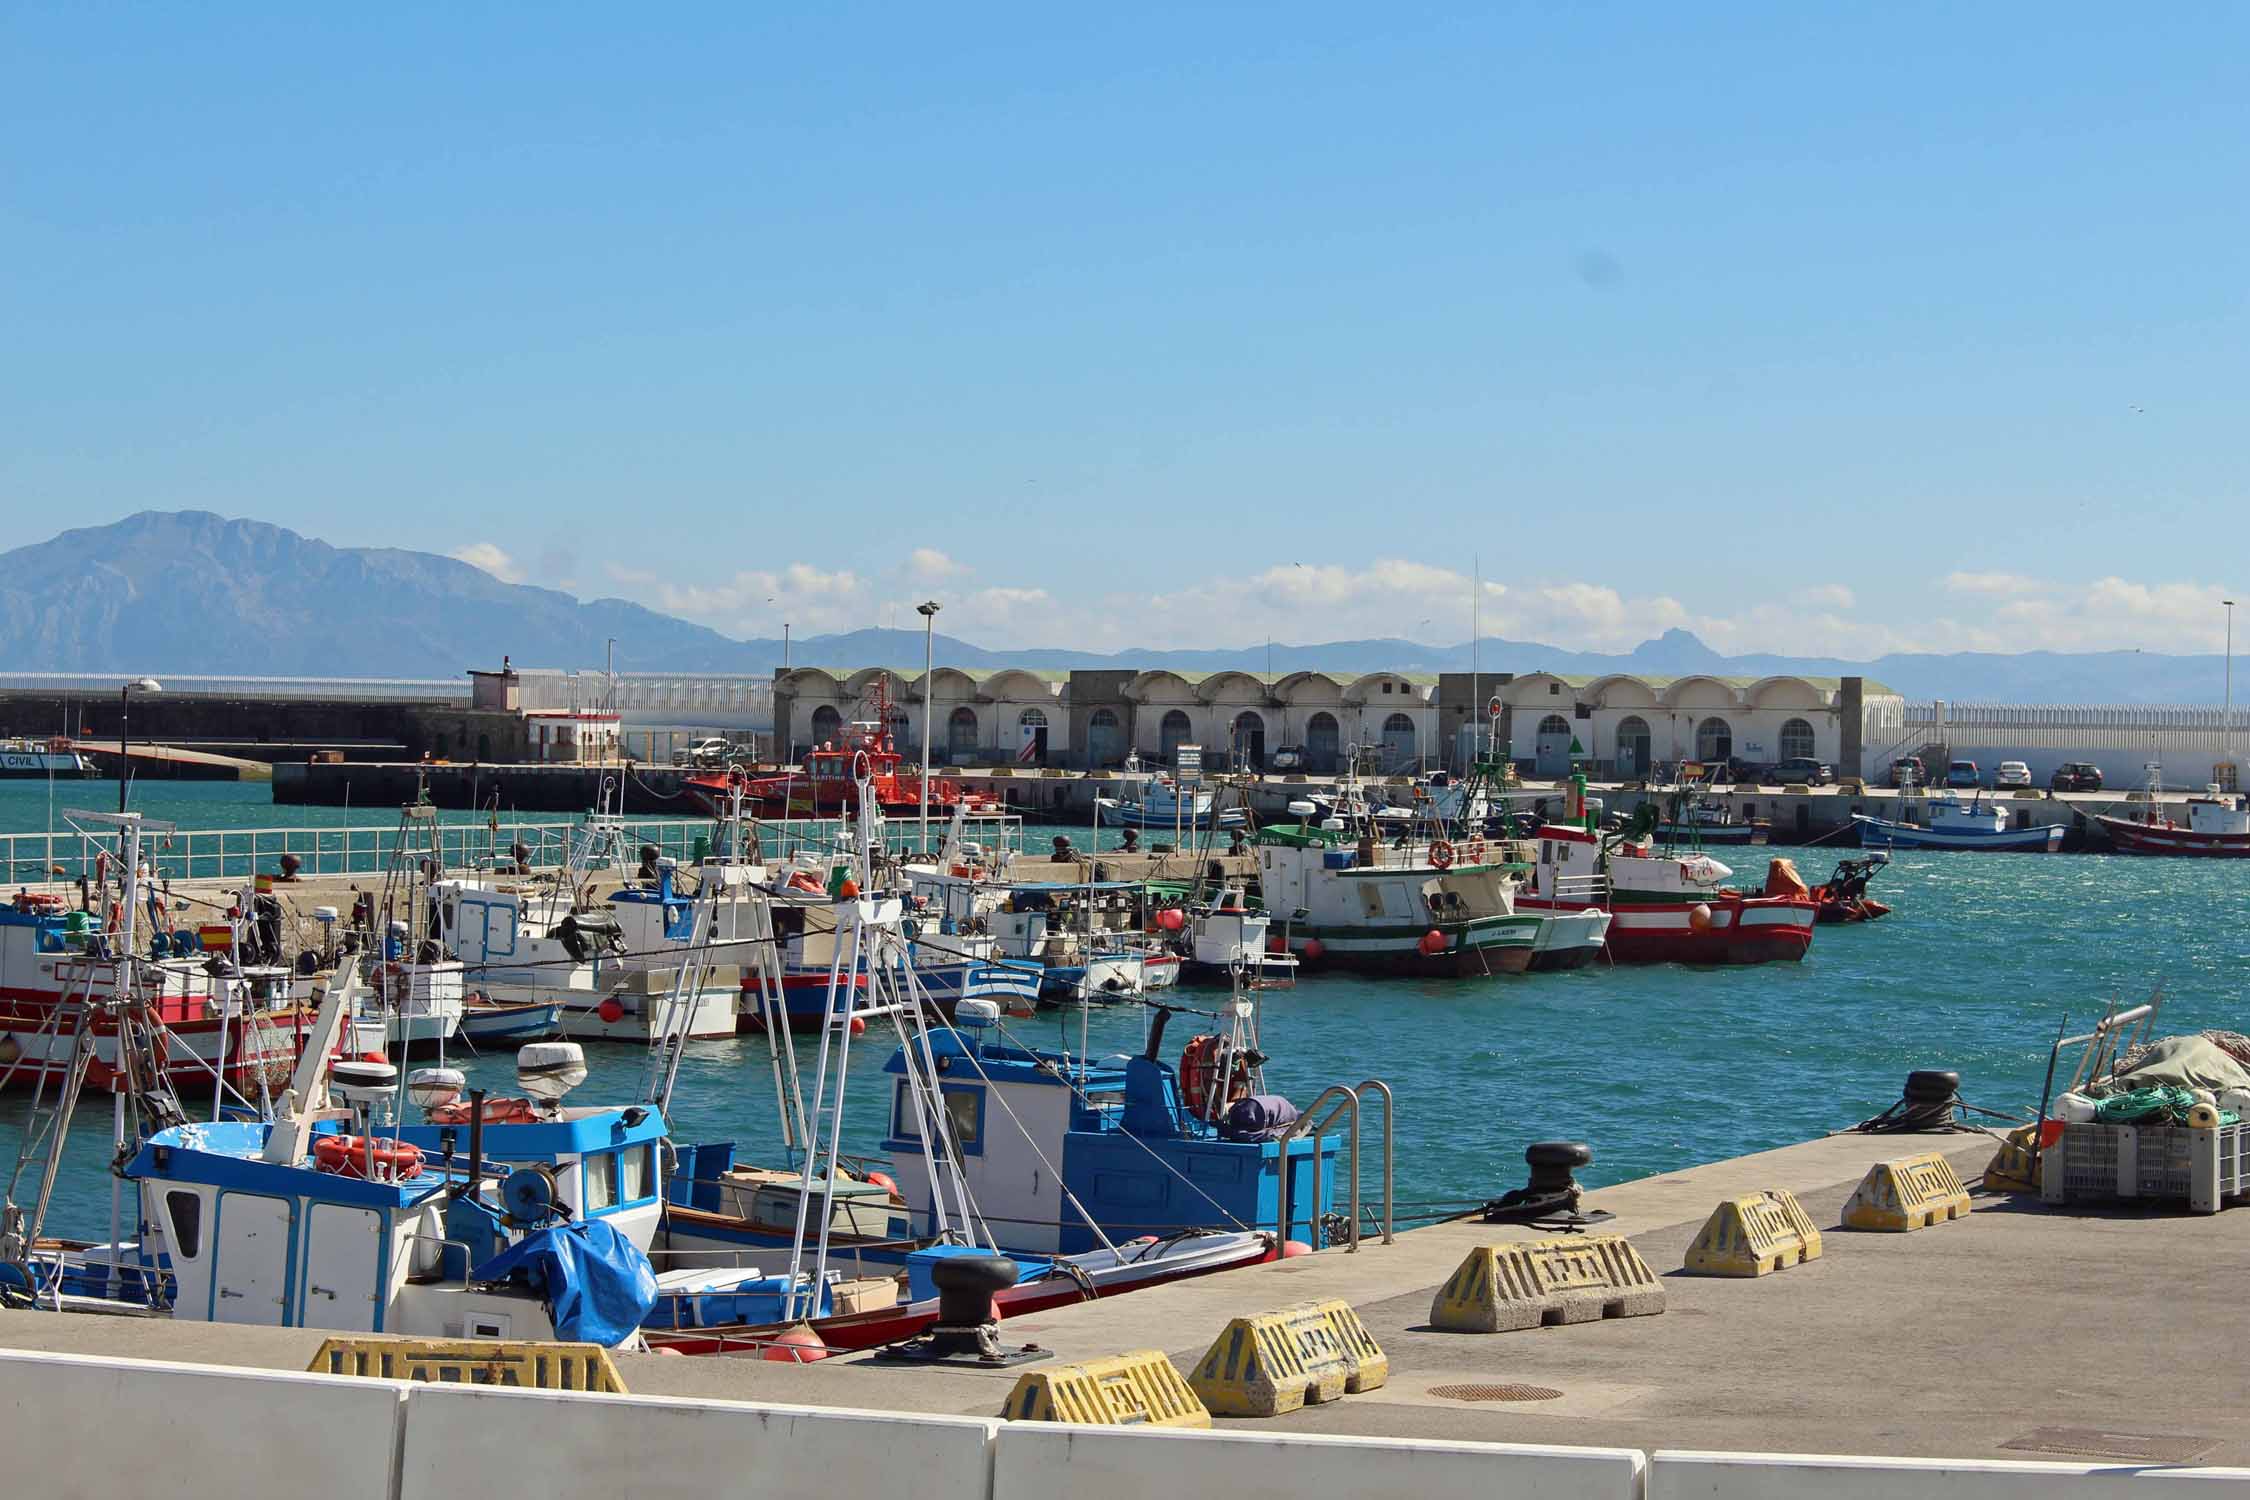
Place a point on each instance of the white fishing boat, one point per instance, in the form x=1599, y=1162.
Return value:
x=410, y=1008
x=1160, y=802
x=37, y=760
x=1950, y=823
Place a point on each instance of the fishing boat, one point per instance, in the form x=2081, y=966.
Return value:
x=1412, y=906
x=38, y=760
x=1843, y=897
x=218, y=1022
x=1162, y=802
x=1710, y=821
x=1954, y=824
x=1666, y=907
x=409, y=1008
x=2216, y=825
x=486, y=1022
x=1226, y=938
x=830, y=781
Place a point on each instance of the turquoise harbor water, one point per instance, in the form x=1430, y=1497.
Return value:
x=1656, y=1068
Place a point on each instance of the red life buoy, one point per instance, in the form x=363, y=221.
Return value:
x=1202, y=1062
x=883, y=1180
x=351, y=1156
x=1441, y=855
x=1476, y=851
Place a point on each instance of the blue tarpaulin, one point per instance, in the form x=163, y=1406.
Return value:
x=597, y=1283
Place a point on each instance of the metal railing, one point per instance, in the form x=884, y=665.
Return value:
x=365, y=849
x=1315, y=1125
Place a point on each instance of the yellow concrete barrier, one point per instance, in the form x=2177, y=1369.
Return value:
x=1273, y=1363
x=1755, y=1235
x=1139, y=1388
x=521, y=1364
x=1366, y=1366
x=2013, y=1168
x=1526, y=1284
x=1913, y=1192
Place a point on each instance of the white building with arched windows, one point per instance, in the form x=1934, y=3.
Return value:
x=1619, y=724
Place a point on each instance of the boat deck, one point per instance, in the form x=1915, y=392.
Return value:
x=2010, y=1326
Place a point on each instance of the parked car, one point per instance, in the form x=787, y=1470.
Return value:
x=2011, y=773
x=1908, y=771
x=1802, y=769
x=1287, y=758
x=1963, y=773
x=2076, y=776
x=714, y=751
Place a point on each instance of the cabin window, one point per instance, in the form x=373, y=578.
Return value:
x=633, y=1174
x=601, y=1183
x=964, y=1113
x=186, y=1212
x=1370, y=899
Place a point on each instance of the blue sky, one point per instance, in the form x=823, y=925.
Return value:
x=1914, y=326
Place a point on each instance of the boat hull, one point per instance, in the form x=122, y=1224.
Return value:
x=1751, y=930
x=1882, y=833
x=2131, y=837
x=1570, y=940
x=1501, y=945
x=509, y=1024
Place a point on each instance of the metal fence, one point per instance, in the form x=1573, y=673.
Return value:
x=2177, y=729
x=223, y=853
x=334, y=689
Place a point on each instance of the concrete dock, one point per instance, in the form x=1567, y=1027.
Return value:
x=2020, y=1332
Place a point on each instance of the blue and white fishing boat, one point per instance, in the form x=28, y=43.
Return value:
x=1162, y=802
x=1953, y=824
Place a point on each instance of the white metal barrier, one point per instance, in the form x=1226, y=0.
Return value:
x=1791, y=1476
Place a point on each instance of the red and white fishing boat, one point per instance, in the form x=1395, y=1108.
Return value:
x=827, y=785
x=244, y=1023
x=2217, y=826
x=1671, y=908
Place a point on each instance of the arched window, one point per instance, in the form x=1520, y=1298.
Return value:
x=1714, y=739
x=1555, y=724
x=1323, y=741
x=1249, y=738
x=1796, y=740
x=1399, y=749
x=902, y=731
x=1173, y=733
x=961, y=734
x=1032, y=718
x=1103, y=718
x=1632, y=746
x=826, y=724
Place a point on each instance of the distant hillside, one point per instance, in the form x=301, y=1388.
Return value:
x=190, y=591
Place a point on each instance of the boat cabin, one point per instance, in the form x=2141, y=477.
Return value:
x=1125, y=1145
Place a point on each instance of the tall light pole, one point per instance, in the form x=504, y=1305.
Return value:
x=124, y=715
x=784, y=645
x=928, y=610
x=2228, y=733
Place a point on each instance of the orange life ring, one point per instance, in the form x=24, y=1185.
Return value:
x=350, y=1155
x=1441, y=855
x=1202, y=1062
x=1476, y=851
x=803, y=880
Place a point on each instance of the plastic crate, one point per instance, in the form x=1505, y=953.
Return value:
x=2203, y=1167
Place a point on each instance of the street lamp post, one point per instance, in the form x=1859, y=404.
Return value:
x=2228, y=733
x=928, y=610
x=124, y=717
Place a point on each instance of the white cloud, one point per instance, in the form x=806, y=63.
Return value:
x=491, y=559
x=928, y=565
x=1991, y=583
x=1825, y=596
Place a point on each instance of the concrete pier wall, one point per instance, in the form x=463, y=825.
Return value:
x=85, y=1426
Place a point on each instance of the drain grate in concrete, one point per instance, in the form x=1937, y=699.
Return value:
x=2099, y=1442
x=1495, y=1393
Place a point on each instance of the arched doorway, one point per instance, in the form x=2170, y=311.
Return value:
x=1323, y=743
x=1031, y=724
x=1632, y=747
x=961, y=735
x=1173, y=733
x=1399, y=750
x=1797, y=740
x=827, y=724
x=1105, y=738
x=1551, y=747
x=1248, y=742
x=1714, y=740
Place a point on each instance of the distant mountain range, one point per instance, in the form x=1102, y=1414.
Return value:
x=191, y=592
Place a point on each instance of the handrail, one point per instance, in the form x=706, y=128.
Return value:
x=1390, y=1107
x=1303, y=1124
